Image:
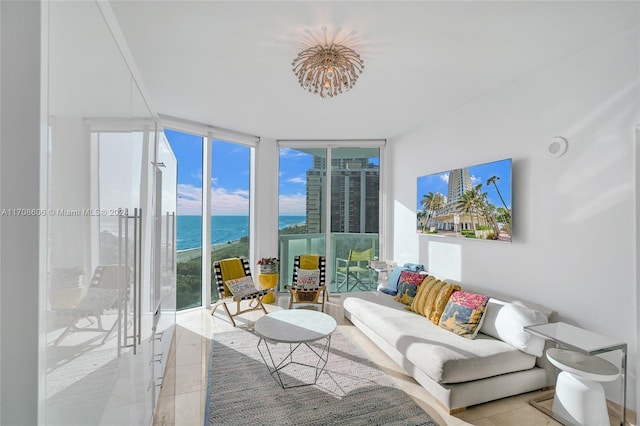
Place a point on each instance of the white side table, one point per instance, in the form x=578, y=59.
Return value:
x=579, y=397
x=588, y=343
x=383, y=276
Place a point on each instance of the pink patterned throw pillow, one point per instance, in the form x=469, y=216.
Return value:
x=464, y=313
x=408, y=286
x=411, y=277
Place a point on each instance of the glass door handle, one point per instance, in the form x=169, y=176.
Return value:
x=173, y=239
x=137, y=277
x=129, y=280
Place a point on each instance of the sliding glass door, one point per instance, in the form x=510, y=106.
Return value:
x=302, y=194
x=355, y=219
x=332, y=211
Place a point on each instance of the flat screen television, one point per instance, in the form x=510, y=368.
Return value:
x=469, y=202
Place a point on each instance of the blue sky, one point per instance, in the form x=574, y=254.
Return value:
x=292, y=181
x=229, y=181
x=438, y=182
x=230, y=176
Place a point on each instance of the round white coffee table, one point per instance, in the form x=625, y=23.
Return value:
x=298, y=328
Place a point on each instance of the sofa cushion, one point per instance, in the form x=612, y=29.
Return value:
x=463, y=313
x=444, y=356
x=506, y=321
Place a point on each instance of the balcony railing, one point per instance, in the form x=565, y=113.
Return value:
x=341, y=243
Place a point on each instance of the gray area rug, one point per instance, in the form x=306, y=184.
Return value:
x=350, y=391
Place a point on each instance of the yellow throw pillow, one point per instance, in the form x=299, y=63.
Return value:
x=417, y=305
x=441, y=301
x=430, y=300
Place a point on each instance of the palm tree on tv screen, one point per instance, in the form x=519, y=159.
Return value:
x=493, y=181
x=432, y=203
x=467, y=203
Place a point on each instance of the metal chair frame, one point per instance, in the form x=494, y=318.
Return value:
x=353, y=268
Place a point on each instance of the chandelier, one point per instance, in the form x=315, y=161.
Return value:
x=327, y=70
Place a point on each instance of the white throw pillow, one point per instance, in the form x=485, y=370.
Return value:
x=506, y=321
x=241, y=287
x=308, y=278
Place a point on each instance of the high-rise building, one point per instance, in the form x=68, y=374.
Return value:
x=355, y=194
x=453, y=216
x=459, y=183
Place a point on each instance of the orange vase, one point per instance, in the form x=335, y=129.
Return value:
x=268, y=281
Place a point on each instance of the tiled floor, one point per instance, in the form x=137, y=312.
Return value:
x=183, y=395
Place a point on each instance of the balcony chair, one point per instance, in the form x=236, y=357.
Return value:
x=309, y=280
x=102, y=295
x=354, y=271
x=233, y=286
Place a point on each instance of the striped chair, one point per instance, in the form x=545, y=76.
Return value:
x=308, y=294
x=233, y=268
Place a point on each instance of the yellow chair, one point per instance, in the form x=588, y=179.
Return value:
x=230, y=269
x=354, y=270
x=308, y=293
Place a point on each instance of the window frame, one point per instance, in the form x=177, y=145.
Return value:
x=209, y=133
x=346, y=143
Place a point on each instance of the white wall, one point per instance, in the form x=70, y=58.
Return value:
x=573, y=247
x=266, y=232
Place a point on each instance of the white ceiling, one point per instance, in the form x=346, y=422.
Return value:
x=228, y=64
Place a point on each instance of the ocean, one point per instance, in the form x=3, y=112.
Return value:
x=223, y=229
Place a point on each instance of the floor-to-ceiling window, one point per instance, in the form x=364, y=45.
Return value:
x=301, y=186
x=230, y=179
x=355, y=219
x=188, y=152
x=335, y=210
x=223, y=167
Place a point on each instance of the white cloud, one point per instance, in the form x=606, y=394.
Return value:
x=475, y=179
x=289, y=153
x=223, y=201
x=241, y=192
x=297, y=179
x=445, y=177
x=189, y=200
x=294, y=204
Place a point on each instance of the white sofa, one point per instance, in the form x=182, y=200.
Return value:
x=458, y=372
